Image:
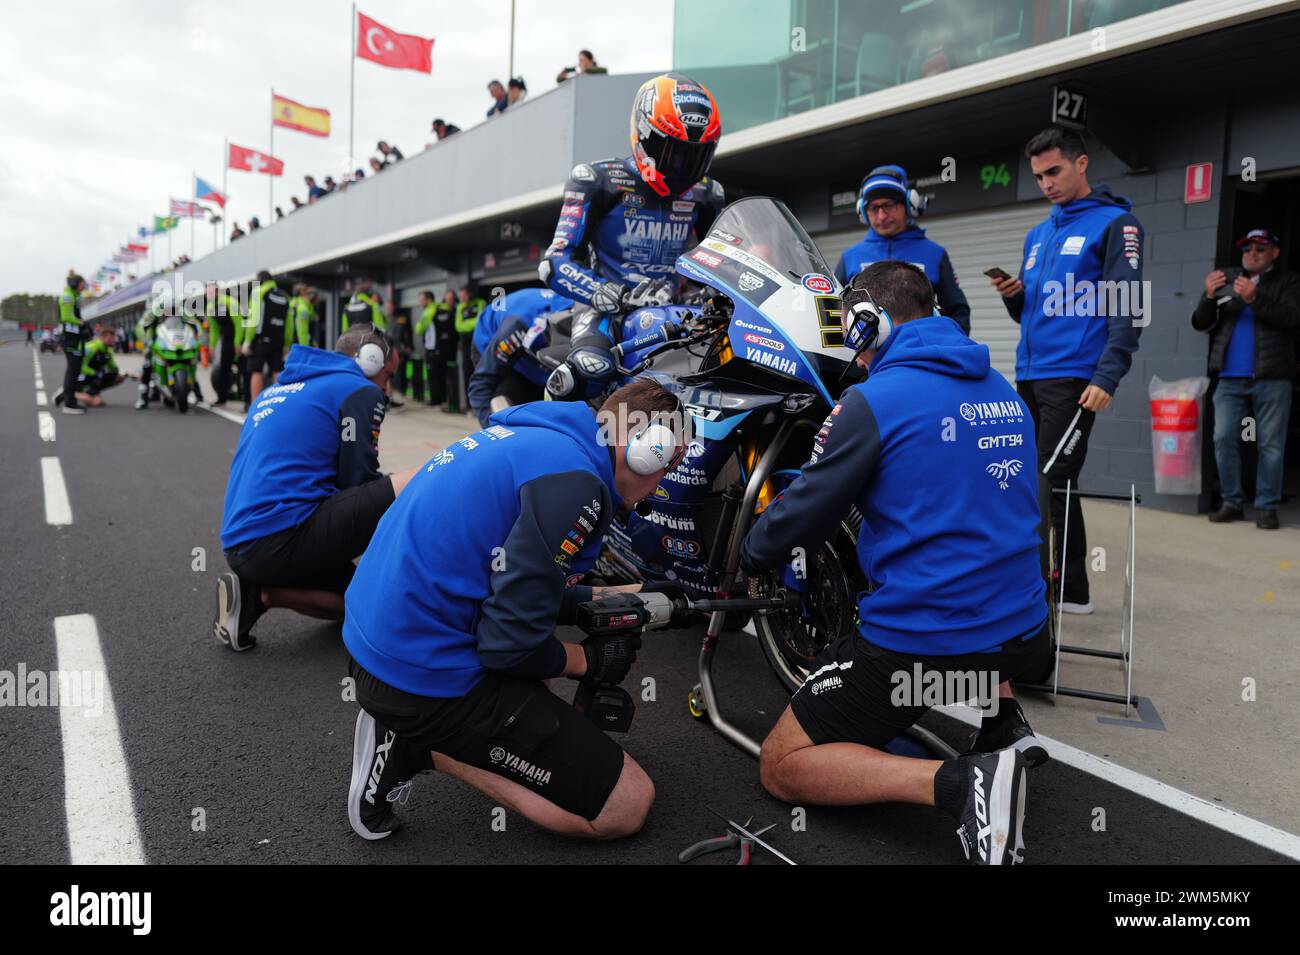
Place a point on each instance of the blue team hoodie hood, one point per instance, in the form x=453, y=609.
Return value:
x=937, y=344
x=305, y=362
x=1100, y=196
x=573, y=419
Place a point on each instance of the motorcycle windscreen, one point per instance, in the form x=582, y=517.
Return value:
x=759, y=252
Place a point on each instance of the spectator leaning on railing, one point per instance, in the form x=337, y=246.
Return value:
x=586, y=64
x=499, y=98
x=1073, y=352
x=442, y=129
x=1252, y=321
x=391, y=154
x=516, y=90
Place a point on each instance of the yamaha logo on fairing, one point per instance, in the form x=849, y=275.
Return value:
x=786, y=366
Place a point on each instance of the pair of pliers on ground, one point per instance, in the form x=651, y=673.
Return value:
x=730, y=841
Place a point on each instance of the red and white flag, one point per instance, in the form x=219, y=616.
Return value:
x=250, y=160
x=401, y=51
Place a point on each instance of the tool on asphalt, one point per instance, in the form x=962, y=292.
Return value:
x=753, y=837
x=608, y=705
x=730, y=841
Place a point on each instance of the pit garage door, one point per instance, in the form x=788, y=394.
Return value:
x=975, y=241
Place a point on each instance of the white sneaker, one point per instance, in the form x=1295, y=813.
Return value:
x=76, y=410
x=1067, y=607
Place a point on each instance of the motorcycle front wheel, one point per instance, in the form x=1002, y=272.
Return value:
x=793, y=639
x=181, y=390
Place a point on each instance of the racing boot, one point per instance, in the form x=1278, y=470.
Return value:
x=986, y=793
x=1010, y=728
x=142, y=396
x=382, y=773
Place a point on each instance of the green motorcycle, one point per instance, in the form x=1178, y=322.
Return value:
x=175, y=357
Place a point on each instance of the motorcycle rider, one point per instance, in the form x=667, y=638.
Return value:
x=146, y=330
x=625, y=221
x=889, y=206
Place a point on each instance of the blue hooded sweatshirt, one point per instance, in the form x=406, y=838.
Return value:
x=312, y=434
x=1065, y=328
x=911, y=245
x=479, y=557
x=527, y=303
x=937, y=452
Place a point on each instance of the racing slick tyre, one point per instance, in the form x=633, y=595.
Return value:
x=181, y=389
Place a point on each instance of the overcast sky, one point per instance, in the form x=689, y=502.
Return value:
x=106, y=108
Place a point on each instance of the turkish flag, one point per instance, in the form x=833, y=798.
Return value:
x=401, y=51
x=250, y=160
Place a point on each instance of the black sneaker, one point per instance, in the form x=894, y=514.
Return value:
x=993, y=813
x=1010, y=729
x=1226, y=515
x=380, y=778
x=58, y=397
x=1266, y=520
x=225, y=625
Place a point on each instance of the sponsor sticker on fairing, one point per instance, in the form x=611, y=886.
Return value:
x=820, y=284
x=683, y=205
x=750, y=282
x=769, y=343
x=704, y=258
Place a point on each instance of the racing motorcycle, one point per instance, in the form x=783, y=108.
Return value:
x=758, y=367
x=175, y=356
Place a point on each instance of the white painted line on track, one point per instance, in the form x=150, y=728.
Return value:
x=41, y=401
x=222, y=413
x=1202, y=810
x=58, y=510
x=45, y=425
x=97, y=796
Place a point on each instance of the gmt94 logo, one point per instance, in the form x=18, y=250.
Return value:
x=678, y=547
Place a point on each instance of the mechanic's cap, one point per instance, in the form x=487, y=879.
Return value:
x=885, y=182
x=1262, y=236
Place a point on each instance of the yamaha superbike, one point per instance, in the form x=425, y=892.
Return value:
x=175, y=355
x=758, y=367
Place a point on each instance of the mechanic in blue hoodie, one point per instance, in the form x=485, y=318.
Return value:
x=518, y=326
x=451, y=616
x=936, y=452
x=305, y=492
x=889, y=205
x=1081, y=304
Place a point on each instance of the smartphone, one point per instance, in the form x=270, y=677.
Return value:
x=996, y=273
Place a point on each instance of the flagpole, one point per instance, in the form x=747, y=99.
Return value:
x=352, y=93
x=270, y=208
x=510, y=74
x=225, y=174
x=194, y=199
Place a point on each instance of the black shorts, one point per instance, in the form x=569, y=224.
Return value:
x=515, y=728
x=318, y=553
x=861, y=693
x=267, y=358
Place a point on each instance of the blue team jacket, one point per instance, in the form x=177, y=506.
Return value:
x=470, y=567
x=1065, y=331
x=313, y=433
x=937, y=452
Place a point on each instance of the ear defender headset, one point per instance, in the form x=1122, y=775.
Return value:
x=866, y=324
x=654, y=447
x=893, y=178
x=371, y=358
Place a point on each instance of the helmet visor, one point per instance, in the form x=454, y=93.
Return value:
x=681, y=164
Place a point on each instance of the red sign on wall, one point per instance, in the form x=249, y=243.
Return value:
x=1197, y=186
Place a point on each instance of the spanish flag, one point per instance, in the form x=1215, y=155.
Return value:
x=305, y=119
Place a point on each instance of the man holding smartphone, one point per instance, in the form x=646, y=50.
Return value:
x=1076, y=340
x=1252, y=319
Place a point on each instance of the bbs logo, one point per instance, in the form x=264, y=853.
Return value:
x=680, y=548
